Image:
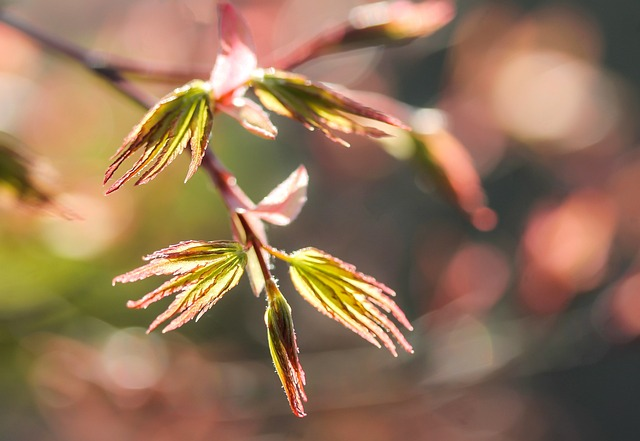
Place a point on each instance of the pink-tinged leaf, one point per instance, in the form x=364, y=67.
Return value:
x=381, y=102
x=203, y=272
x=182, y=119
x=355, y=300
x=251, y=116
x=284, y=203
x=449, y=166
x=236, y=59
x=317, y=106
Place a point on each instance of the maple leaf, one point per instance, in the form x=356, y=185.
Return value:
x=316, y=106
x=353, y=299
x=181, y=119
x=284, y=348
x=204, y=272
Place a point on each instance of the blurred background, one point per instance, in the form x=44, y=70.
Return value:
x=526, y=332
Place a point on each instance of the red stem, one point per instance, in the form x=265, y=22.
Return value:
x=257, y=245
x=313, y=48
x=233, y=198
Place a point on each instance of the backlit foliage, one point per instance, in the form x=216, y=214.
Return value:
x=202, y=272
x=181, y=119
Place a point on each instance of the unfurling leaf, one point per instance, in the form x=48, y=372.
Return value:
x=353, y=299
x=449, y=166
x=284, y=203
x=284, y=349
x=181, y=119
x=204, y=272
x=316, y=106
x=236, y=59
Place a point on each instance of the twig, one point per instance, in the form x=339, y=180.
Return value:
x=95, y=62
x=106, y=69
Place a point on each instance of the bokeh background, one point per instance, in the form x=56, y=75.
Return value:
x=526, y=332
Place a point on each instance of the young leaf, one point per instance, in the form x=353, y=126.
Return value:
x=351, y=298
x=284, y=203
x=280, y=207
x=181, y=119
x=284, y=348
x=236, y=58
x=204, y=272
x=316, y=106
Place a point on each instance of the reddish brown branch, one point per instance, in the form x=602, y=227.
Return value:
x=107, y=69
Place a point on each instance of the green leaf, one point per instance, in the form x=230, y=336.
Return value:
x=284, y=348
x=181, y=119
x=316, y=106
x=204, y=272
x=353, y=299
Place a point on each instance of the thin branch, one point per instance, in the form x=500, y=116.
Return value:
x=104, y=67
x=95, y=62
x=232, y=195
x=257, y=245
x=318, y=45
x=155, y=72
